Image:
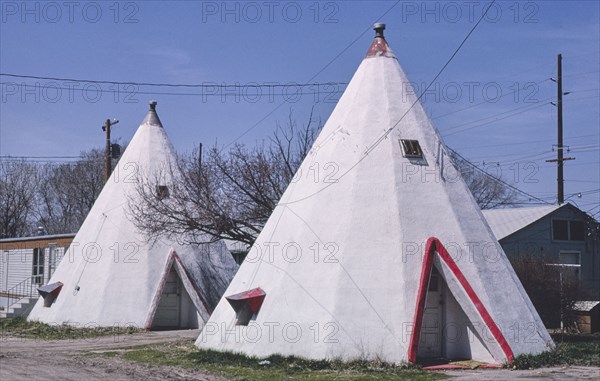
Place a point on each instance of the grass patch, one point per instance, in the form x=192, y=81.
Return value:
x=109, y=353
x=20, y=327
x=239, y=367
x=575, y=337
x=583, y=350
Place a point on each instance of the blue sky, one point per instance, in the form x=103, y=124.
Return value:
x=473, y=103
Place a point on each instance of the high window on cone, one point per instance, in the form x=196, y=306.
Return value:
x=162, y=192
x=411, y=148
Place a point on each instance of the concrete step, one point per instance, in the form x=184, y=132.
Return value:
x=21, y=308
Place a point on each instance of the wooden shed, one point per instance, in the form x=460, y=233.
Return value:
x=588, y=316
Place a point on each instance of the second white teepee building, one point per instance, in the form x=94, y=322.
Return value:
x=377, y=249
x=111, y=275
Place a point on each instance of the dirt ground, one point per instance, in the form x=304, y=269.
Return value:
x=26, y=359
x=554, y=374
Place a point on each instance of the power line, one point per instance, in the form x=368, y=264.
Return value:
x=486, y=102
x=495, y=158
x=584, y=149
x=521, y=143
x=582, y=73
x=202, y=85
x=589, y=191
x=220, y=94
x=582, y=164
x=501, y=113
x=354, y=41
x=497, y=179
x=252, y=127
x=523, y=109
x=40, y=157
x=389, y=130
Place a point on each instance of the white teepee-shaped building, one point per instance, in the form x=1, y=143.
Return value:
x=111, y=275
x=377, y=248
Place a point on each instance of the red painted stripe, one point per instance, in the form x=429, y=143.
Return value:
x=420, y=307
x=172, y=257
x=445, y=367
x=158, y=293
x=433, y=246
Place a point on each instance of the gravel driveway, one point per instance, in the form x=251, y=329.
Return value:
x=27, y=359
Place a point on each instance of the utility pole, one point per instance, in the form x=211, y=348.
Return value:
x=559, y=139
x=200, y=155
x=559, y=144
x=107, y=154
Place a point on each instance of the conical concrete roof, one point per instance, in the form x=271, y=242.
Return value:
x=111, y=273
x=342, y=261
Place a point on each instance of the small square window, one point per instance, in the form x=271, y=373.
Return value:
x=411, y=148
x=577, y=231
x=162, y=192
x=560, y=230
x=565, y=230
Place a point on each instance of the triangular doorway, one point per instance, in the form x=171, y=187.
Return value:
x=177, y=304
x=340, y=257
x=442, y=328
x=112, y=270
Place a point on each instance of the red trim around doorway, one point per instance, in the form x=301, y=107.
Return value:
x=158, y=294
x=435, y=246
x=190, y=279
x=171, y=260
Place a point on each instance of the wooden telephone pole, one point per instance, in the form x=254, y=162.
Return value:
x=559, y=146
x=107, y=153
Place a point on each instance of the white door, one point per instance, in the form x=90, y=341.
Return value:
x=430, y=343
x=5, y=270
x=37, y=272
x=167, y=312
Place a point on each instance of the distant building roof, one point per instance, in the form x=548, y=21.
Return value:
x=37, y=237
x=505, y=222
x=235, y=246
x=38, y=241
x=585, y=305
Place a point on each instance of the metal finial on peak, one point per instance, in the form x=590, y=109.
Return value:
x=379, y=28
x=379, y=47
x=152, y=117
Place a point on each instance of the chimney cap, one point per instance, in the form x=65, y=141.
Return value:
x=379, y=28
x=152, y=117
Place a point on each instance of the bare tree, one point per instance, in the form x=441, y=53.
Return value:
x=489, y=192
x=67, y=192
x=18, y=184
x=223, y=194
x=230, y=195
x=553, y=289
